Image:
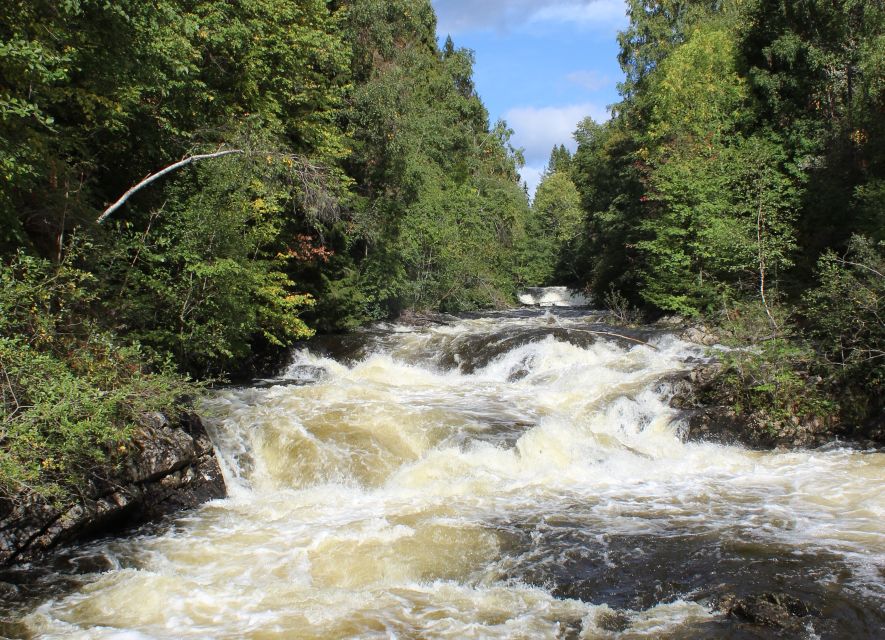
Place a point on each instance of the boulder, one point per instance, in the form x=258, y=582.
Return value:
x=171, y=466
x=775, y=610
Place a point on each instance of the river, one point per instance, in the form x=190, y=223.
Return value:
x=513, y=475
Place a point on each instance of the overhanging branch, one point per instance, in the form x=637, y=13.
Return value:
x=159, y=174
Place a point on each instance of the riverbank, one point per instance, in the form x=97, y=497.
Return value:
x=735, y=399
x=170, y=466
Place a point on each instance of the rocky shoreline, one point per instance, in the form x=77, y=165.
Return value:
x=708, y=413
x=171, y=466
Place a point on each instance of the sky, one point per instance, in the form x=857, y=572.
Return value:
x=541, y=65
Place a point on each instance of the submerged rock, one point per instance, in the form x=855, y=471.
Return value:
x=778, y=610
x=171, y=466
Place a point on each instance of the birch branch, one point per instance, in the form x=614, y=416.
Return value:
x=862, y=266
x=614, y=335
x=159, y=174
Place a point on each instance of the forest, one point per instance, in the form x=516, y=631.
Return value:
x=741, y=182
x=343, y=169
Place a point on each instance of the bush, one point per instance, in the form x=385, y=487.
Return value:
x=69, y=394
x=846, y=317
x=620, y=308
x=772, y=372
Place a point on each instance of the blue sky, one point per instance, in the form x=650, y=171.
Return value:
x=542, y=65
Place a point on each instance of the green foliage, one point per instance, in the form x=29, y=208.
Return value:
x=776, y=375
x=560, y=160
x=439, y=204
x=553, y=229
x=815, y=69
x=696, y=91
x=609, y=181
x=69, y=393
x=208, y=275
x=724, y=219
x=749, y=143
x=845, y=315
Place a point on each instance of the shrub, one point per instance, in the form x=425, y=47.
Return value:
x=69, y=394
x=774, y=372
x=846, y=317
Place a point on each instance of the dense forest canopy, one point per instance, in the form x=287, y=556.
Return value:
x=741, y=178
x=367, y=179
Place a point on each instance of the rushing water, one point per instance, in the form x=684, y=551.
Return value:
x=518, y=475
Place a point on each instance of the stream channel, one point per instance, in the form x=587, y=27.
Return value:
x=515, y=474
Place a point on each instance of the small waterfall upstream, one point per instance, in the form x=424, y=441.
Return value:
x=513, y=475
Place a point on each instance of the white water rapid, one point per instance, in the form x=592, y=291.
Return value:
x=518, y=475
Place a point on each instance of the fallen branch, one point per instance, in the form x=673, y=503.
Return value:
x=159, y=174
x=614, y=335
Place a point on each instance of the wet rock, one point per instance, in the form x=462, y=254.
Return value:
x=723, y=425
x=689, y=389
x=424, y=319
x=613, y=620
x=8, y=590
x=670, y=321
x=709, y=414
x=700, y=334
x=778, y=610
x=298, y=375
x=171, y=466
x=571, y=629
x=518, y=374
x=306, y=373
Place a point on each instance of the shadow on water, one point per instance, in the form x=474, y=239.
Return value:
x=815, y=595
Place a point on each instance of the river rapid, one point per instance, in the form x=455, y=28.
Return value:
x=513, y=475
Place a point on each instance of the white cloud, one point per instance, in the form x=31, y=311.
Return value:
x=589, y=80
x=538, y=129
x=600, y=12
x=532, y=178
x=462, y=15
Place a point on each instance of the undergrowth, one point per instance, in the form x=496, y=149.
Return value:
x=70, y=393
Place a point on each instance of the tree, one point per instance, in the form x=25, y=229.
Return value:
x=560, y=160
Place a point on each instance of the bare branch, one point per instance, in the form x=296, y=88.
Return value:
x=159, y=174
x=862, y=266
x=760, y=221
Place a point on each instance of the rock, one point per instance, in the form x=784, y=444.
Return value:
x=670, y=321
x=700, y=334
x=708, y=413
x=778, y=610
x=613, y=620
x=171, y=466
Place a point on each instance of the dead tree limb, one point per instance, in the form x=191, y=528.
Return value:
x=159, y=174
x=614, y=335
x=760, y=223
x=862, y=266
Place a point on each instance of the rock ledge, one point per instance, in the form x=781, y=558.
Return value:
x=171, y=466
